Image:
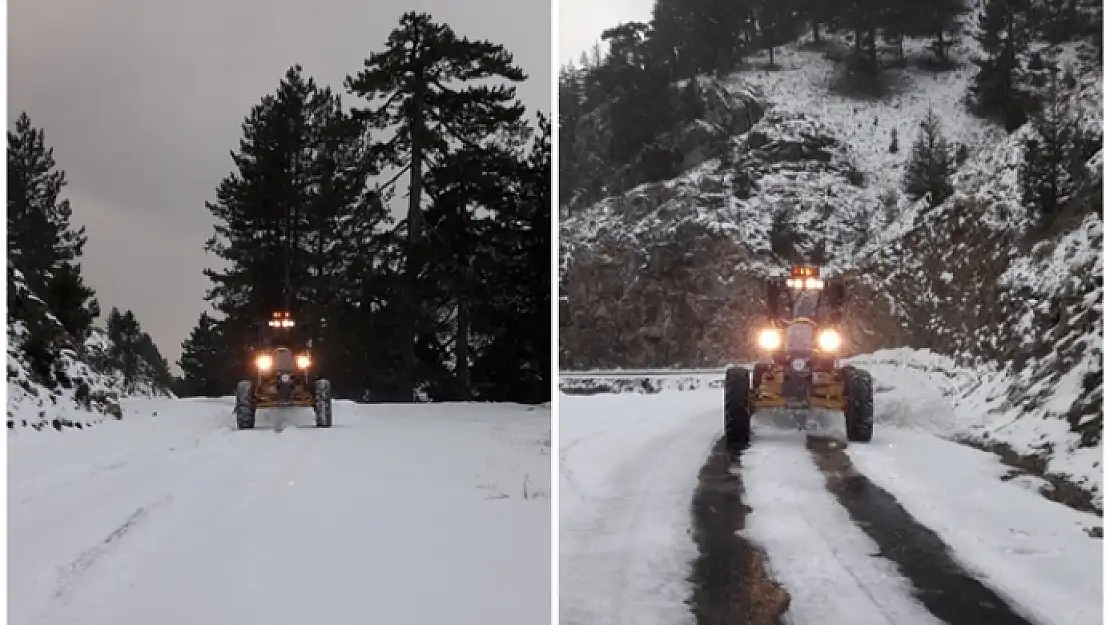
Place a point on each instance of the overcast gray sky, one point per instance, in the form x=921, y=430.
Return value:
x=582, y=21
x=143, y=99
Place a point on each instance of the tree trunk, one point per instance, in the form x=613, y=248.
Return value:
x=415, y=228
x=462, y=346
x=873, y=51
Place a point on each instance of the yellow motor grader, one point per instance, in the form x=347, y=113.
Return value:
x=283, y=373
x=799, y=367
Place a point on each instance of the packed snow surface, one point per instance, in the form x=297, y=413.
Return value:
x=401, y=514
x=628, y=467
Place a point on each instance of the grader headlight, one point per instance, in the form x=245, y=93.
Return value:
x=769, y=339
x=829, y=340
x=264, y=362
x=304, y=361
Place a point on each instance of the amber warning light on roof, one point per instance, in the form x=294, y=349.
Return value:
x=280, y=319
x=802, y=277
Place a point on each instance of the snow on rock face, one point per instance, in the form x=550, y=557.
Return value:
x=707, y=235
x=78, y=389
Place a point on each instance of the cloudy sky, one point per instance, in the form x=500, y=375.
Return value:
x=143, y=99
x=581, y=22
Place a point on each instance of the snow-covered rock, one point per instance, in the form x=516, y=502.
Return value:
x=78, y=388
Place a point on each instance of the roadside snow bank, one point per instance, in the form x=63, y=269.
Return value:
x=918, y=389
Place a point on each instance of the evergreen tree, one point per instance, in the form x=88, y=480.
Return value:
x=467, y=180
x=154, y=365
x=124, y=332
x=639, y=105
x=939, y=19
x=931, y=164
x=777, y=24
x=345, y=244
x=784, y=236
x=203, y=361
x=865, y=19
x=1055, y=156
x=422, y=87
x=72, y=302
x=514, y=313
x=295, y=219
x=1004, y=35
x=571, y=112
x=42, y=244
x=817, y=13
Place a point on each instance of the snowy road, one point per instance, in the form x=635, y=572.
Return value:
x=910, y=529
x=399, y=514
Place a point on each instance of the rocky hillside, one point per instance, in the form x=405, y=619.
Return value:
x=53, y=381
x=668, y=273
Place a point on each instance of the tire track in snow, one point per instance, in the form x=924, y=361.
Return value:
x=827, y=564
x=942, y=585
x=71, y=575
x=728, y=579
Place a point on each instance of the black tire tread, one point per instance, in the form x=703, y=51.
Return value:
x=859, y=415
x=738, y=416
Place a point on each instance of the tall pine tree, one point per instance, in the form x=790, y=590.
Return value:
x=43, y=245
x=296, y=221
x=422, y=88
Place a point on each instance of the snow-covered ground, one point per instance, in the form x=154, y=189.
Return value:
x=629, y=469
x=804, y=81
x=930, y=393
x=400, y=514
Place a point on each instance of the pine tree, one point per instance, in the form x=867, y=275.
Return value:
x=941, y=20
x=344, y=242
x=1054, y=157
x=931, y=164
x=467, y=180
x=42, y=244
x=1061, y=20
x=777, y=24
x=292, y=217
x=1004, y=35
x=784, y=236
x=414, y=87
x=814, y=13
x=203, y=360
x=157, y=370
x=125, y=333
x=865, y=20
x=514, y=312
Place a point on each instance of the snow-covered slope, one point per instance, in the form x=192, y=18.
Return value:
x=975, y=278
x=405, y=514
x=79, y=389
